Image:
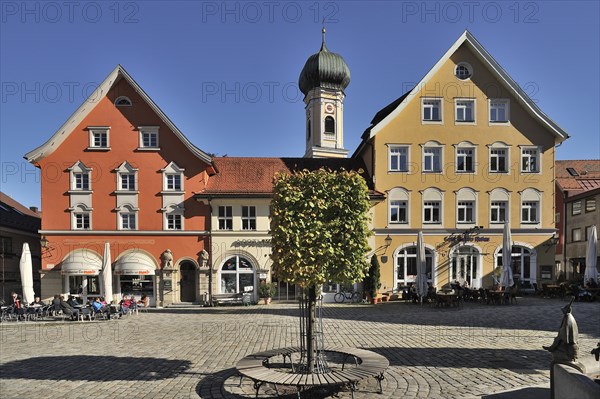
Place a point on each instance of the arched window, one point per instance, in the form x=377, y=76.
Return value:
x=499, y=205
x=466, y=206
x=464, y=266
x=523, y=262
x=123, y=101
x=329, y=125
x=406, y=265
x=308, y=130
x=237, y=274
x=398, y=199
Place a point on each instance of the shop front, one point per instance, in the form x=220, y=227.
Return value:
x=80, y=271
x=135, y=273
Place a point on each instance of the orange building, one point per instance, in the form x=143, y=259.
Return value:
x=118, y=171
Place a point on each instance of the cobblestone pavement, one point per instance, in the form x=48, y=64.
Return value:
x=468, y=352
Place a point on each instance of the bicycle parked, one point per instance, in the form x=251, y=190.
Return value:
x=350, y=296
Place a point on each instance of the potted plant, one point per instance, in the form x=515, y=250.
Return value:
x=267, y=291
x=372, y=282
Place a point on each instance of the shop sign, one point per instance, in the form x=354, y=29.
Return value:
x=458, y=238
x=262, y=276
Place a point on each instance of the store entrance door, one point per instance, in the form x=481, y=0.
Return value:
x=187, y=282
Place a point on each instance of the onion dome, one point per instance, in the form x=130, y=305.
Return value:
x=324, y=69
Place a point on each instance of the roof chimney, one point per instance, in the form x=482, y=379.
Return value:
x=34, y=209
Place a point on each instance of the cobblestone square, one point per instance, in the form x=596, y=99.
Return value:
x=469, y=352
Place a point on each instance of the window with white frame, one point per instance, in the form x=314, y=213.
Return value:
x=465, y=213
x=463, y=71
x=149, y=137
x=81, y=217
x=498, y=211
x=431, y=212
x=432, y=159
x=173, y=181
x=248, y=218
x=498, y=110
x=123, y=101
x=225, y=218
x=498, y=159
x=464, y=110
x=530, y=160
x=127, y=181
x=398, y=211
x=529, y=212
x=174, y=221
x=398, y=158
x=99, y=137
x=82, y=181
x=465, y=159
x=128, y=220
x=576, y=208
x=432, y=110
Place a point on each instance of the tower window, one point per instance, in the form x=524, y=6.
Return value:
x=329, y=125
x=308, y=130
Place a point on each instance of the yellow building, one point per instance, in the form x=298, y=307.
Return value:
x=457, y=156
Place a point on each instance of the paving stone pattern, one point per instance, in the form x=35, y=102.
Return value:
x=468, y=352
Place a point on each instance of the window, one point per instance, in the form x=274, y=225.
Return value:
x=98, y=137
x=529, y=212
x=431, y=212
x=432, y=110
x=463, y=71
x=123, y=101
x=499, y=160
x=128, y=221
x=530, y=160
x=149, y=137
x=82, y=181
x=174, y=222
x=576, y=235
x=225, y=218
x=590, y=204
x=398, y=212
x=248, y=217
x=523, y=261
x=465, y=212
x=576, y=208
x=465, y=160
x=173, y=182
x=329, y=125
x=465, y=110
x=432, y=159
x=398, y=158
x=406, y=265
x=498, y=212
x=127, y=181
x=237, y=275
x=588, y=232
x=498, y=111
x=82, y=220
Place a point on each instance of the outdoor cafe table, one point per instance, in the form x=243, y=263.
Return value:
x=447, y=298
x=552, y=290
x=496, y=296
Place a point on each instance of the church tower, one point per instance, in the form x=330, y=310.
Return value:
x=323, y=80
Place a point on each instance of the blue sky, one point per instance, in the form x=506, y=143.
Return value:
x=226, y=72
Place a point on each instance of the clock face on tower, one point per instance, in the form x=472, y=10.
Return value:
x=329, y=108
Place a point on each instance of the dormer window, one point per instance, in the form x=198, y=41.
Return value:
x=173, y=182
x=126, y=177
x=80, y=177
x=149, y=137
x=123, y=101
x=99, y=138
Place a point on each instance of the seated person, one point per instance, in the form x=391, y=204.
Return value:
x=68, y=310
x=17, y=305
x=72, y=301
x=125, y=304
x=98, y=307
x=144, y=301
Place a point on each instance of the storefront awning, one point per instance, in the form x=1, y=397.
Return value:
x=135, y=263
x=81, y=262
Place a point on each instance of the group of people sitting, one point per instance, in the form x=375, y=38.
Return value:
x=73, y=309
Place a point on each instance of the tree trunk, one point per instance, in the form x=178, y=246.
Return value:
x=311, y=341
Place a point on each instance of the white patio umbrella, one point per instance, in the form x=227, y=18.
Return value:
x=107, y=273
x=506, y=278
x=591, y=271
x=421, y=268
x=26, y=269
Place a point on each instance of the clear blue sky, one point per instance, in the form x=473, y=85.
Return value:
x=226, y=72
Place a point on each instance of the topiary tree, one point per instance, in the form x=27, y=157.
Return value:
x=319, y=231
x=373, y=280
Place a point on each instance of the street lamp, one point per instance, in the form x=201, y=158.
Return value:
x=44, y=242
x=388, y=241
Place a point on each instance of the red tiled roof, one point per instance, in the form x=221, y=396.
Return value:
x=254, y=176
x=587, y=175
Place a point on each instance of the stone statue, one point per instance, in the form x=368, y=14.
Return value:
x=565, y=348
x=203, y=258
x=166, y=259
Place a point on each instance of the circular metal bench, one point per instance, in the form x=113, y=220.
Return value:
x=366, y=364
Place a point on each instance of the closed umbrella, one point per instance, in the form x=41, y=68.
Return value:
x=506, y=278
x=107, y=273
x=591, y=271
x=421, y=268
x=26, y=269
